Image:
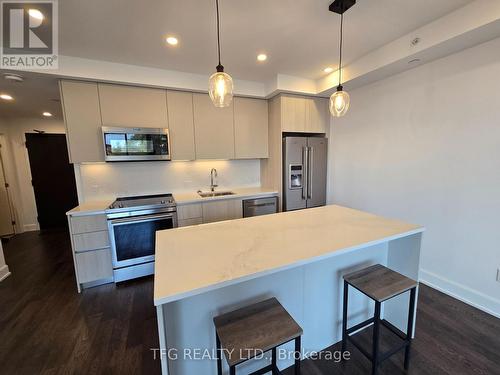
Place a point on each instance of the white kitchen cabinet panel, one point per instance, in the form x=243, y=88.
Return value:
x=317, y=115
x=220, y=210
x=82, y=118
x=304, y=114
x=189, y=211
x=91, y=241
x=133, y=106
x=188, y=222
x=88, y=223
x=250, y=128
x=293, y=113
x=94, y=265
x=214, y=129
x=181, y=124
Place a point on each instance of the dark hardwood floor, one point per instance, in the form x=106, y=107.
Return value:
x=47, y=328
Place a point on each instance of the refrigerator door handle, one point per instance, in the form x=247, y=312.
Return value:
x=310, y=169
x=305, y=173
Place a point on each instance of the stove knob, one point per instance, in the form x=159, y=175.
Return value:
x=163, y=202
x=120, y=205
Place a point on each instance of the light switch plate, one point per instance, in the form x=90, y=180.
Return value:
x=498, y=275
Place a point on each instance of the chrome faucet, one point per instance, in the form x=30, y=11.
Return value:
x=213, y=177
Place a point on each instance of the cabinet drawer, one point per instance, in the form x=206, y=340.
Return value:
x=90, y=223
x=188, y=222
x=189, y=211
x=91, y=241
x=94, y=265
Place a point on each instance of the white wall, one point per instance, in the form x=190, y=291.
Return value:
x=4, y=269
x=17, y=166
x=109, y=180
x=102, y=181
x=424, y=146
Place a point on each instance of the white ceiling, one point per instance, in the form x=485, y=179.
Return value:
x=300, y=36
x=37, y=94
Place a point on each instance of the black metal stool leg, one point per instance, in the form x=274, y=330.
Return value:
x=376, y=331
x=219, y=355
x=344, y=318
x=409, y=331
x=232, y=370
x=274, y=361
x=298, y=354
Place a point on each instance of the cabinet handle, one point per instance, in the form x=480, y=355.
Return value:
x=310, y=167
x=304, y=173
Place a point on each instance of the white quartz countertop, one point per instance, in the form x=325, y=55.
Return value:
x=196, y=259
x=90, y=208
x=101, y=207
x=252, y=192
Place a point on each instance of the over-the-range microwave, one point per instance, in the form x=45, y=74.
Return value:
x=135, y=144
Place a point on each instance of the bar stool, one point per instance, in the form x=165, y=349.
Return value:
x=380, y=284
x=245, y=333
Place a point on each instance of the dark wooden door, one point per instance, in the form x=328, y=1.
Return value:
x=53, y=178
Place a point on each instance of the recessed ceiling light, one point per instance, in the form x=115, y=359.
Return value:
x=35, y=13
x=262, y=57
x=6, y=97
x=13, y=77
x=328, y=69
x=172, y=40
x=47, y=114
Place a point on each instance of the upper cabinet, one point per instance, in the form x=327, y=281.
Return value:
x=250, y=128
x=198, y=130
x=293, y=113
x=80, y=101
x=304, y=114
x=133, y=106
x=214, y=129
x=317, y=115
x=181, y=124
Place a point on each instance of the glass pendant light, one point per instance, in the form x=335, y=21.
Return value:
x=220, y=84
x=340, y=100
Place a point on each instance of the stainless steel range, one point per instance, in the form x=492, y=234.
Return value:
x=132, y=223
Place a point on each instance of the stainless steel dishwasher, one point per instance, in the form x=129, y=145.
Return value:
x=260, y=206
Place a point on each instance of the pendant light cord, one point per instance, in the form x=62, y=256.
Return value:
x=341, y=42
x=218, y=29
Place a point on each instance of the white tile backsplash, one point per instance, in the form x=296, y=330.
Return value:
x=109, y=180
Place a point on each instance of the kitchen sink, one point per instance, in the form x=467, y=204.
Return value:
x=210, y=194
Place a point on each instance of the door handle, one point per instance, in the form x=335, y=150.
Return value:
x=304, y=173
x=310, y=167
x=141, y=219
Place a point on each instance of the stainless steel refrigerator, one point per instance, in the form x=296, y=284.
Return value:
x=304, y=172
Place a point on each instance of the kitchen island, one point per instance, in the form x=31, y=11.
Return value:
x=298, y=257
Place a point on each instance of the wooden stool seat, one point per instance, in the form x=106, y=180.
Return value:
x=380, y=283
x=250, y=331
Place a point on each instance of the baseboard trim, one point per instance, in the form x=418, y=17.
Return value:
x=462, y=293
x=4, y=272
x=30, y=227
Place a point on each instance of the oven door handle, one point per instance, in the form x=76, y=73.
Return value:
x=141, y=219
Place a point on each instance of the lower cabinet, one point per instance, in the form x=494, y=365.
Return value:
x=209, y=212
x=94, y=265
x=189, y=214
x=91, y=250
x=188, y=222
x=226, y=209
